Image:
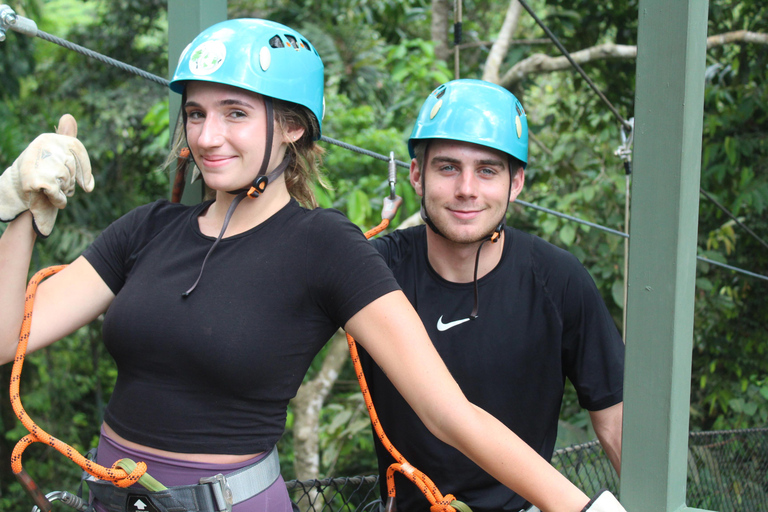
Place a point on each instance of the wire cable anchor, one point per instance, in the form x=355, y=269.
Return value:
x=624, y=151
x=9, y=20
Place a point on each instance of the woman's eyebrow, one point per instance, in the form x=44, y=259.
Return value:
x=226, y=102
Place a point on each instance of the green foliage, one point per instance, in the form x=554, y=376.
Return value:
x=730, y=340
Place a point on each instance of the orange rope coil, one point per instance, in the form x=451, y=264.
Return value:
x=36, y=434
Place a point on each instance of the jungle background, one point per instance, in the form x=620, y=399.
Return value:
x=382, y=59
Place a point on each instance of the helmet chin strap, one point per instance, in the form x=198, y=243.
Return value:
x=258, y=186
x=494, y=236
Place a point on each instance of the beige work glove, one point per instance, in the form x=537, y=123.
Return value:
x=44, y=175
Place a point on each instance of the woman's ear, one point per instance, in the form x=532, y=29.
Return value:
x=292, y=134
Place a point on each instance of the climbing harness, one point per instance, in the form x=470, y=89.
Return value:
x=218, y=493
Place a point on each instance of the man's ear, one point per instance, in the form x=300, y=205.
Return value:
x=415, y=177
x=518, y=180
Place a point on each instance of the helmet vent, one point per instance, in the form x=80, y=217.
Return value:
x=292, y=41
x=276, y=42
x=519, y=110
x=306, y=44
x=439, y=92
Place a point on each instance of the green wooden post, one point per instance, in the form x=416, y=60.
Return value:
x=669, y=101
x=186, y=19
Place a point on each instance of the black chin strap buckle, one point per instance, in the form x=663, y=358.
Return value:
x=496, y=235
x=258, y=187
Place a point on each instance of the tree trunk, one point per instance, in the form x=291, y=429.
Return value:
x=306, y=407
x=439, y=30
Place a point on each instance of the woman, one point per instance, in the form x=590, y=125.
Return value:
x=215, y=311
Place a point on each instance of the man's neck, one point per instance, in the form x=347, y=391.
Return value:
x=456, y=262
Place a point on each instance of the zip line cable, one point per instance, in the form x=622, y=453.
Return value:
x=625, y=235
x=576, y=66
x=9, y=20
x=732, y=216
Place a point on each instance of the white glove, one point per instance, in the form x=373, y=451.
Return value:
x=44, y=175
x=604, y=501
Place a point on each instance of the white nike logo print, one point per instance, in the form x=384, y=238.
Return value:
x=444, y=327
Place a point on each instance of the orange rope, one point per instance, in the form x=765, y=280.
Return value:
x=438, y=502
x=37, y=435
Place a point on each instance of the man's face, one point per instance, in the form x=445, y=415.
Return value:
x=467, y=188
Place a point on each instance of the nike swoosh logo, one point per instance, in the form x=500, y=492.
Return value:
x=444, y=327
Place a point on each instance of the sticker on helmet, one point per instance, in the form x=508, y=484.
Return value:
x=519, y=126
x=265, y=58
x=435, y=109
x=207, y=58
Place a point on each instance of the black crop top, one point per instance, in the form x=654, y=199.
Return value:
x=213, y=373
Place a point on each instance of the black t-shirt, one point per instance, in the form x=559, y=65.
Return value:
x=540, y=319
x=213, y=372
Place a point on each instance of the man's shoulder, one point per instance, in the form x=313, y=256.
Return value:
x=400, y=244
x=536, y=248
x=546, y=261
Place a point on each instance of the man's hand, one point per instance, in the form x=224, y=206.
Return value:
x=44, y=175
x=604, y=501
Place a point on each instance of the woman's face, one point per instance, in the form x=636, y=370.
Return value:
x=226, y=133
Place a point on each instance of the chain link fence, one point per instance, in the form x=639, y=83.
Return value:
x=727, y=472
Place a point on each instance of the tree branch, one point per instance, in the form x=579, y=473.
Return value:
x=540, y=63
x=501, y=45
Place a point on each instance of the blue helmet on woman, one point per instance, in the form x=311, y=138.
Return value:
x=474, y=111
x=261, y=56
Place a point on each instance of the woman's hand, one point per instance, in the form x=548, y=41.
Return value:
x=44, y=175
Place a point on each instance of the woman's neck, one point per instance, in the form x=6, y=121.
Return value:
x=248, y=214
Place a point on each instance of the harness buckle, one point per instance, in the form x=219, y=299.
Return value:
x=222, y=494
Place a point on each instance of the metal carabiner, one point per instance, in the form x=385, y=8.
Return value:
x=66, y=498
x=393, y=201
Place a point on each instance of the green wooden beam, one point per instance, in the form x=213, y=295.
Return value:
x=669, y=101
x=186, y=19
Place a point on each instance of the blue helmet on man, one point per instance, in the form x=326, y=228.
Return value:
x=474, y=111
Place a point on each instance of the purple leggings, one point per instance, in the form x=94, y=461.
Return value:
x=172, y=472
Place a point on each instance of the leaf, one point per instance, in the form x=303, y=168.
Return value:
x=617, y=292
x=567, y=234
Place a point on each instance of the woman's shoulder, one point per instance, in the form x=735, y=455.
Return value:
x=324, y=220
x=158, y=212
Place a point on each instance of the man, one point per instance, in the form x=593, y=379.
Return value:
x=511, y=314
